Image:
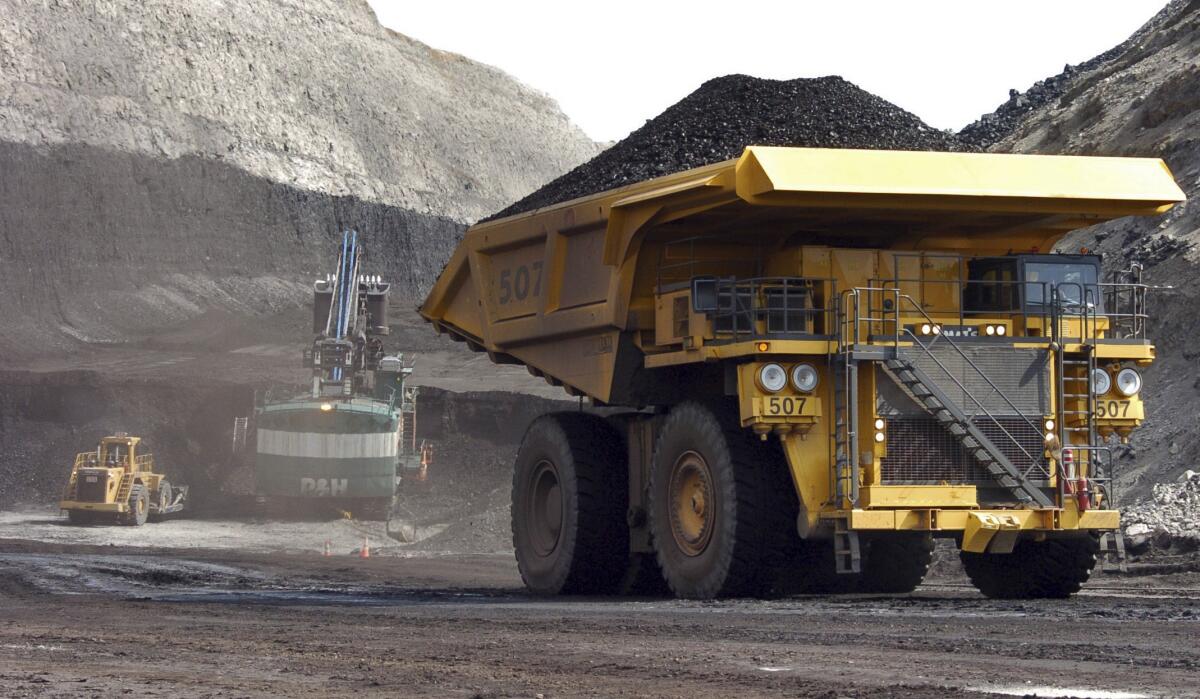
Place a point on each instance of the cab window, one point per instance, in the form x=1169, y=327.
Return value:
x=1072, y=282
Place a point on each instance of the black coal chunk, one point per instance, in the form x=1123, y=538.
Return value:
x=723, y=116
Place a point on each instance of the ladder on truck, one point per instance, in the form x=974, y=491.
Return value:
x=847, y=553
x=1076, y=396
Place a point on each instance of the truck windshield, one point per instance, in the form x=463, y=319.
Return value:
x=1071, y=280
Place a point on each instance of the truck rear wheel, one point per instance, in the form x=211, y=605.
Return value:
x=139, y=506
x=716, y=518
x=895, y=563
x=568, y=506
x=1051, y=569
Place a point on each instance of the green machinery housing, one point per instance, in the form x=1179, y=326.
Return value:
x=350, y=442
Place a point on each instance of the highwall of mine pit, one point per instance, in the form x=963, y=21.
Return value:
x=108, y=248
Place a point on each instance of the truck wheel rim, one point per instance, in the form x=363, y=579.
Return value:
x=693, y=507
x=545, y=509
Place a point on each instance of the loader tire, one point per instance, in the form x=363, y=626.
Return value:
x=895, y=563
x=162, y=499
x=1051, y=569
x=722, y=512
x=139, y=507
x=570, y=493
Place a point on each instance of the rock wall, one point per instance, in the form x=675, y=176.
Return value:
x=313, y=94
x=110, y=247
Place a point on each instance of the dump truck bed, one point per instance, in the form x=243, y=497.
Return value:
x=566, y=290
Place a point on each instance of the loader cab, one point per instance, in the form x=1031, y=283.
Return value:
x=118, y=452
x=1032, y=285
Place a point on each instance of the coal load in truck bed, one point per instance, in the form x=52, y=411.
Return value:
x=723, y=116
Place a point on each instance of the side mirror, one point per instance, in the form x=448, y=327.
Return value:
x=704, y=294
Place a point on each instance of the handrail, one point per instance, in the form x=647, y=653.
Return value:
x=745, y=298
x=1021, y=311
x=995, y=389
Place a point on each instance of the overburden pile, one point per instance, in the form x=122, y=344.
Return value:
x=723, y=116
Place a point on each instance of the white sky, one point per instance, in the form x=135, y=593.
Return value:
x=612, y=65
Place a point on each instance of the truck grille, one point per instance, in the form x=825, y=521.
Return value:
x=87, y=491
x=1017, y=380
x=921, y=452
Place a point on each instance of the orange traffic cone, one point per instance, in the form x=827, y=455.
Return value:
x=327, y=554
x=365, y=551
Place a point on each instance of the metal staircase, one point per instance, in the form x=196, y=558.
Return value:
x=899, y=349
x=962, y=426
x=125, y=488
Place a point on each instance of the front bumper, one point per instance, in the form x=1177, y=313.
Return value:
x=994, y=531
x=117, y=507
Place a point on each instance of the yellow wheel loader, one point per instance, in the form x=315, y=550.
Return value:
x=117, y=483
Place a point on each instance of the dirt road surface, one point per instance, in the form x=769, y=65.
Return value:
x=214, y=617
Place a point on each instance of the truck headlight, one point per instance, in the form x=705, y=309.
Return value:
x=772, y=378
x=1129, y=381
x=1101, y=382
x=804, y=378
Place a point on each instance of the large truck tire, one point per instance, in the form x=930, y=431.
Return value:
x=718, y=497
x=810, y=569
x=895, y=563
x=139, y=507
x=569, y=499
x=1050, y=569
x=643, y=577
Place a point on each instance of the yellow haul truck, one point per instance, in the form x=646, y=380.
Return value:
x=831, y=357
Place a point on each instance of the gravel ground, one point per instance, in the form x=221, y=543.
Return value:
x=723, y=116
x=94, y=621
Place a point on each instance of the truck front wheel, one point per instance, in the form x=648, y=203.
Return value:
x=1051, y=569
x=714, y=516
x=568, y=506
x=896, y=563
